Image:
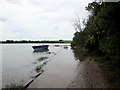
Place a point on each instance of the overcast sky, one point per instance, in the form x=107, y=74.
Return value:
x=40, y=19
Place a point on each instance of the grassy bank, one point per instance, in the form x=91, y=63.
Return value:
x=29, y=41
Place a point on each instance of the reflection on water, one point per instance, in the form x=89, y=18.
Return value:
x=65, y=47
x=59, y=71
x=40, y=50
x=21, y=64
x=57, y=45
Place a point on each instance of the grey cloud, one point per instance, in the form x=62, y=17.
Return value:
x=3, y=19
x=14, y=2
x=35, y=22
x=56, y=28
x=46, y=11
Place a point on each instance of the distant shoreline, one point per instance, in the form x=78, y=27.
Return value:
x=26, y=42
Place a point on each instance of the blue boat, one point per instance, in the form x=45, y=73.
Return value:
x=40, y=47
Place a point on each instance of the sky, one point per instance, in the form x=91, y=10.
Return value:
x=40, y=19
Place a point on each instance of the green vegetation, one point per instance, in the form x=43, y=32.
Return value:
x=29, y=41
x=80, y=53
x=101, y=35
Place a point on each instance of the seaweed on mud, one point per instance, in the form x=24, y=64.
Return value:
x=48, y=52
x=42, y=58
x=39, y=68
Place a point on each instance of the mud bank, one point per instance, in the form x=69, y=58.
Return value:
x=88, y=75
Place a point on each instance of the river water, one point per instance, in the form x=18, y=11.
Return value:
x=20, y=64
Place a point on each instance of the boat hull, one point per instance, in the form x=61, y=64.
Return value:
x=40, y=47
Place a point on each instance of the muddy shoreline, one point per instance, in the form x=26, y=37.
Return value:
x=88, y=75
x=63, y=71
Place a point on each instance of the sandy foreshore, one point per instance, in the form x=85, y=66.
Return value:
x=88, y=75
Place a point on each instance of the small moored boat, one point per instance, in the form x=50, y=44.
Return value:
x=40, y=47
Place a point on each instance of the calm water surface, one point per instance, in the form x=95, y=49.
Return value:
x=19, y=63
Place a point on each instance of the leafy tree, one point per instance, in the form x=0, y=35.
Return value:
x=101, y=35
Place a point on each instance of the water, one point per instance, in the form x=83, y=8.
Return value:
x=19, y=64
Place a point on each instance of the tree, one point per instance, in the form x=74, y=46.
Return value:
x=79, y=38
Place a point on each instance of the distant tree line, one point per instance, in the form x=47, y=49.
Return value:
x=29, y=41
x=101, y=35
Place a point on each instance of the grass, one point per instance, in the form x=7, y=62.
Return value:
x=45, y=41
x=67, y=41
x=64, y=41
